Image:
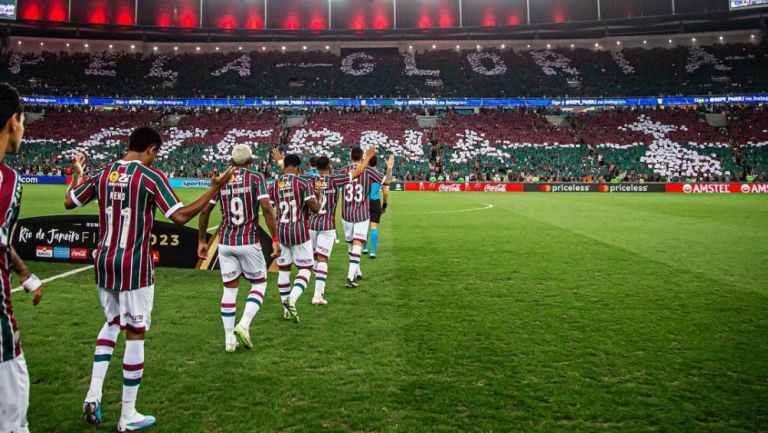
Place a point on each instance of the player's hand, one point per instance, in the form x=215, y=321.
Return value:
x=370, y=151
x=223, y=178
x=384, y=208
x=202, y=250
x=277, y=154
x=391, y=162
x=276, y=251
x=77, y=164
x=37, y=296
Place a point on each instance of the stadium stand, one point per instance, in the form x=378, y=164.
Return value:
x=695, y=70
x=493, y=145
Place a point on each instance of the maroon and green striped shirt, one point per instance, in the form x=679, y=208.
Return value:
x=128, y=193
x=240, y=208
x=330, y=185
x=10, y=201
x=355, y=206
x=290, y=194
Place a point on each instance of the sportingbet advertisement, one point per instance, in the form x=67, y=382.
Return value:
x=8, y=9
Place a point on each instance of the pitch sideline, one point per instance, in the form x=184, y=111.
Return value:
x=56, y=277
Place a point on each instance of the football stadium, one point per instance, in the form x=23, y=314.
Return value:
x=384, y=215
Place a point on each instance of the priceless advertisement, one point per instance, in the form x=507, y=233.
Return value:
x=595, y=187
x=684, y=188
x=73, y=239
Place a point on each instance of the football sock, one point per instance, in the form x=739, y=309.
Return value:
x=321, y=273
x=300, y=283
x=374, y=240
x=105, y=345
x=253, y=303
x=284, y=283
x=133, y=368
x=354, y=262
x=228, y=312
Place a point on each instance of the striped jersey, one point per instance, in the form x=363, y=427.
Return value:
x=355, y=206
x=128, y=193
x=330, y=186
x=290, y=194
x=240, y=208
x=10, y=200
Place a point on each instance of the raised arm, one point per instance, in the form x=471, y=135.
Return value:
x=390, y=167
x=186, y=213
x=77, y=176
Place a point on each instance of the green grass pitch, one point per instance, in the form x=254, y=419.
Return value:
x=546, y=312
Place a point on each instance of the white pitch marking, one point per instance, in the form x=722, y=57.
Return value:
x=213, y=229
x=487, y=206
x=56, y=277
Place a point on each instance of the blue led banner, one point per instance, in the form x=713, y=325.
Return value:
x=419, y=102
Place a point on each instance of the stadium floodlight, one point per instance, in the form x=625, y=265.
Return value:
x=304, y=47
x=458, y=47
x=175, y=48
x=86, y=45
x=239, y=48
x=410, y=47
x=434, y=46
x=644, y=42
x=752, y=36
x=42, y=43
x=720, y=38
x=618, y=42
x=18, y=43
x=283, y=48
x=154, y=48
x=596, y=45
x=572, y=45
x=478, y=46
x=217, y=48
x=693, y=39
x=549, y=46
x=197, y=48
x=263, y=48
x=529, y=45
x=670, y=41
x=133, y=47
x=67, y=44
x=327, y=47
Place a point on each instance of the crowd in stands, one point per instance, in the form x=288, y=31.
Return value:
x=490, y=72
x=489, y=145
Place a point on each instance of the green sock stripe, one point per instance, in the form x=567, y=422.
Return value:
x=254, y=300
x=102, y=358
x=227, y=314
x=131, y=382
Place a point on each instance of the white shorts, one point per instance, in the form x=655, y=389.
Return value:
x=14, y=395
x=247, y=260
x=131, y=309
x=355, y=231
x=300, y=255
x=322, y=242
